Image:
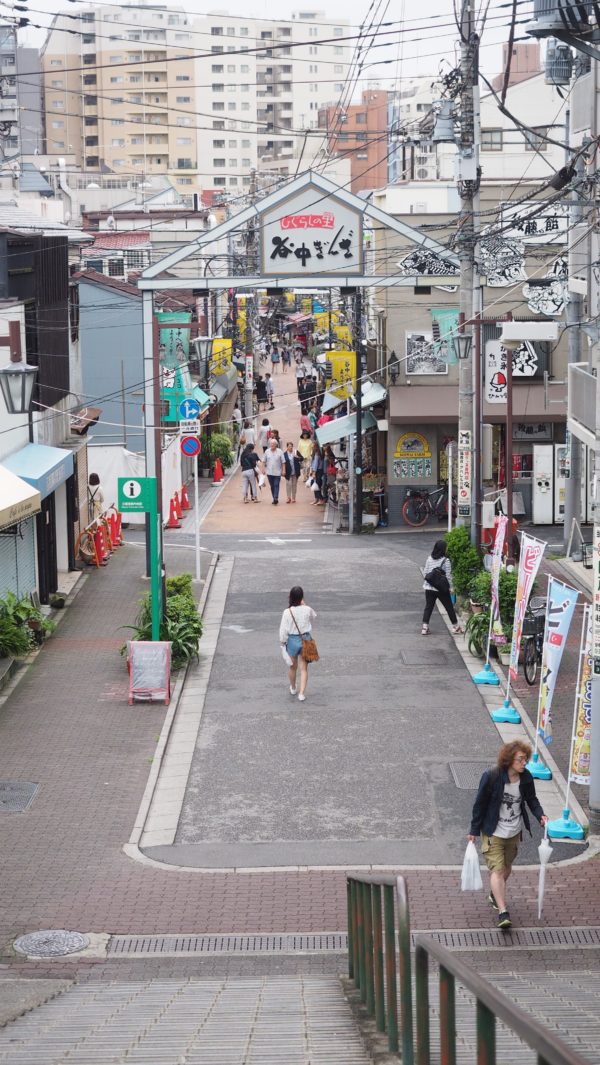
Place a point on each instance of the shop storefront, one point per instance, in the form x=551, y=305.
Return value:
x=47, y=470
x=19, y=503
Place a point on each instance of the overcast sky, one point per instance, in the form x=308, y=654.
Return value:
x=429, y=38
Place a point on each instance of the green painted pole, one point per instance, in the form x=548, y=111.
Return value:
x=486, y=1035
x=370, y=1003
x=390, y=967
x=447, y=1018
x=349, y=901
x=155, y=574
x=404, y=966
x=360, y=935
x=422, y=989
x=378, y=960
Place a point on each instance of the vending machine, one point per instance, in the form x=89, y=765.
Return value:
x=542, y=499
x=561, y=469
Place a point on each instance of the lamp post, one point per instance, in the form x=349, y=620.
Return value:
x=18, y=378
x=204, y=349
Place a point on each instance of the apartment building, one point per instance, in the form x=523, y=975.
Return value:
x=263, y=88
x=119, y=93
x=409, y=158
x=360, y=132
x=20, y=98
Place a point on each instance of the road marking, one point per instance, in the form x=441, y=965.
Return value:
x=274, y=540
x=236, y=628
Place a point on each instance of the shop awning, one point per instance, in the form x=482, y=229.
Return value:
x=18, y=500
x=42, y=467
x=341, y=427
x=201, y=398
x=330, y=402
x=224, y=384
x=82, y=419
x=372, y=394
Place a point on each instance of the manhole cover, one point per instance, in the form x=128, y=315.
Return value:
x=16, y=795
x=51, y=944
x=468, y=774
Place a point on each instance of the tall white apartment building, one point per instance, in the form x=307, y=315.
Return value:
x=119, y=91
x=262, y=87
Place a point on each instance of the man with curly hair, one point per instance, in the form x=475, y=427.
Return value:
x=499, y=815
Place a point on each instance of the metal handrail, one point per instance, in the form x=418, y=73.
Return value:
x=373, y=949
x=491, y=1005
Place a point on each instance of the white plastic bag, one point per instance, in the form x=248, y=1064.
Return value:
x=262, y=480
x=286, y=658
x=471, y=874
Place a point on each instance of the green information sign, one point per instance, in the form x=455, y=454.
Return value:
x=137, y=495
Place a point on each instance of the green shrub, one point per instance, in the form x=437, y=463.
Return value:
x=180, y=585
x=217, y=446
x=464, y=558
x=480, y=588
x=15, y=639
x=507, y=594
x=476, y=632
x=182, y=625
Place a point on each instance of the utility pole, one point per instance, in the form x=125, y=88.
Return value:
x=468, y=186
x=251, y=346
x=358, y=453
x=574, y=308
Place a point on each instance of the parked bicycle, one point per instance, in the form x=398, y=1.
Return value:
x=419, y=505
x=533, y=637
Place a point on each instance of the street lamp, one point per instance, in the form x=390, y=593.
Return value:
x=462, y=345
x=203, y=346
x=17, y=381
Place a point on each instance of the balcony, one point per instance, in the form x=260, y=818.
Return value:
x=581, y=403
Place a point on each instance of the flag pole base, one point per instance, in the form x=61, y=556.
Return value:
x=506, y=715
x=565, y=827
x=537, y=768
x=486, y=676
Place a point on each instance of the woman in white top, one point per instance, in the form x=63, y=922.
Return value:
x=296, y=623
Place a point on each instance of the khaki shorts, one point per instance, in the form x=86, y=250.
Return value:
x=499, y=853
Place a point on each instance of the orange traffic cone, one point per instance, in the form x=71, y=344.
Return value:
x=185, y=503
x=218, y=474
x=178, y=505
x=173, y=522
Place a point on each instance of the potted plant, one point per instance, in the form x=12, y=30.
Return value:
x=504, y=653
x=476, y=632
x=480, y=592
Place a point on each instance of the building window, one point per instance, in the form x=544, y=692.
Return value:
x=56, y=84
x=58, y=104
x=58, y=144
x=59, y=124
x=115, y=81
x=136, y=258
x=89, y=79
x=182, y=99
x=90, y=101
x=218, y=106
x=216, y=31
x=112, y=59
x=218, y=144
x=233, y=163
x=116, y=268
x=117, y=121
x=231, y=31
x=117, y=142
x=91, y=160
x=53, y=62
x=217, y=68
x=216, y=49
x=245, y=69
x=183, y=121
x=245, y=144
x=246, y=162
x=91, y=142
x=233, y=181
x=491, y=140
x=137, y=140
x=245, y=106
x=218, y=163
x=90, y=120
x=338, y=31
x=243, y=31
x=536, y=140
x=183, y=77
x=184, y=180
x=337, y=50
x=232, y=144
x=136, y=58
x=219, y=182
x=218, y=86
x=218, y=123
x=232, y=107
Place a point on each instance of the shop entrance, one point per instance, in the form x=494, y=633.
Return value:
x=46, y=548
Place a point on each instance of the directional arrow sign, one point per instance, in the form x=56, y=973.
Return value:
x=189, y=408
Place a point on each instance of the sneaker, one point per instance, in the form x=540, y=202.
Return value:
x=504, y=920
x=492, y=900
x=293, y=691
x=301, y=698
x=425, y=630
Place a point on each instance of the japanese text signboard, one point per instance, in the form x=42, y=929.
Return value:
x=542, y=225
x=465, y=475
x=311, y=234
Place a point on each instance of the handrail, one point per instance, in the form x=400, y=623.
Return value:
x=373, y=949
x=492, y=1005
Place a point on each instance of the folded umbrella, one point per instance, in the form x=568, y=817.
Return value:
x=544, y=851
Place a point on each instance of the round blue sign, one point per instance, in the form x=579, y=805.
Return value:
x=190, y=446
x=189, y=408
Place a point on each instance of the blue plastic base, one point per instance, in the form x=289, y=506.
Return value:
x=537, y=768
x=565, y=827
x=486, y=676
x=506, y=714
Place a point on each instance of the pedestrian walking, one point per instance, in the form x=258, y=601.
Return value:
x=286, y=360
x=300, y=371
x=313, y=416
x=499, y=816
x=304, y=447
x=330, y=467
x=270, y=390
x=295, y=627
x=274, y=467
x=249, y=462
x=262, y=397
x=438, y=585
x=292, y=467
x=248, y=432
x=275, y=358
x=316, y=469
x=263, y=434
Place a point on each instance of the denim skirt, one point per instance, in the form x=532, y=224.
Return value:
x=294, y=643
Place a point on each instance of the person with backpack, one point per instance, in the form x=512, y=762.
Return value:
x=499, y=816
x=438, y=585
x=249, y=461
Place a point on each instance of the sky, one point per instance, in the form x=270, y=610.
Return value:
x=429, y=40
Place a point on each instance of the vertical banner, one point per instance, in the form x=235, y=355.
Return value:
x=465, y=477
x=559, y=612
x=596, y=602
x=529, y=563
x=579, y=770
x=497, y=630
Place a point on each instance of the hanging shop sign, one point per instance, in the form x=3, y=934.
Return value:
x=533, y=226
x=502, y=261
x=249, y=371
x=532, y=550
x=311, y=234
x=526, y=364
x=444, y=327
x=174, y=336
x=423, y=356
x=559, y=613
x=550, y=294
x=221, y=355
x=341, y=380
x=579, y=772
x=537, y=432
x=465, y=472
x=428, y=264
x=412, y=460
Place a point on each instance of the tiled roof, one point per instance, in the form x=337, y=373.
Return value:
x=117, y=241
x=109, y=282
x=31, y=180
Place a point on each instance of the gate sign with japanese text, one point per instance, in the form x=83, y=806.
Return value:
x=534, y=224
x=310, y=233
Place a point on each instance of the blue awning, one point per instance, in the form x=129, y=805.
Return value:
x=341, y=427
x=200, y=398
x=43, y=467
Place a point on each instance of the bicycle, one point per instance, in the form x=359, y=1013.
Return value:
x=419, y=505
x=533, y=632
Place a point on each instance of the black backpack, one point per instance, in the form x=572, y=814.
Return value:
x=438, y=580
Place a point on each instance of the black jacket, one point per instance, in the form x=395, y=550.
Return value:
x=248, y=460
x=486, y=808
x=297, y=464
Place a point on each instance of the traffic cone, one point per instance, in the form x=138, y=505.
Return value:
x=177, y=505
x=173, y=523
x=99, y=545
x=185, y=503
x=218, y=474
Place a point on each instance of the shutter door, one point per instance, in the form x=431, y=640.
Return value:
x=17, y=560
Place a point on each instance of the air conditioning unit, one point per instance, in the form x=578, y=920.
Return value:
x=559, y=63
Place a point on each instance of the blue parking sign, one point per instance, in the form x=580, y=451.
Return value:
x=189, y=408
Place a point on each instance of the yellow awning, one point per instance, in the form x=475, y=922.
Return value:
x=18, y=500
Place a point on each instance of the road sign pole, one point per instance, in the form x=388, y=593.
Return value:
x=197, y=518
x=155, y=575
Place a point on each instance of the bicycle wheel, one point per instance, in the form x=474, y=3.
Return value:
x=530, y=661
x=414, y=511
